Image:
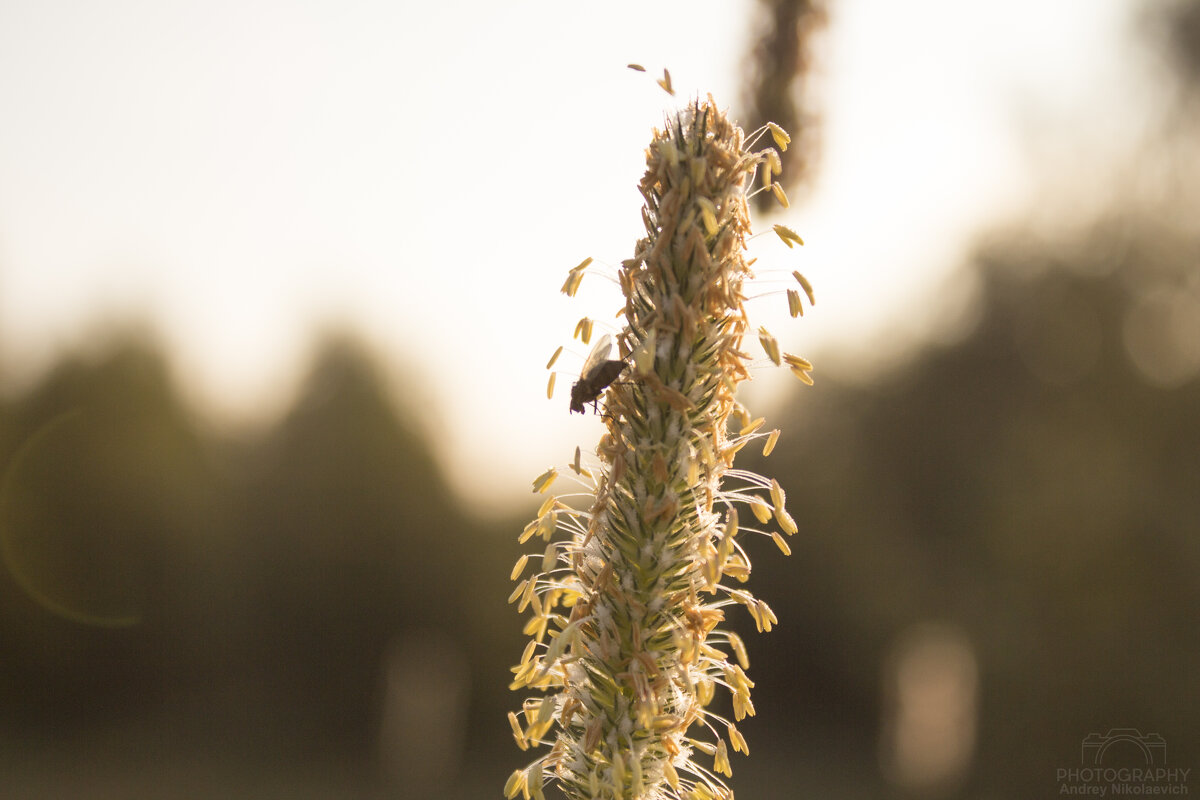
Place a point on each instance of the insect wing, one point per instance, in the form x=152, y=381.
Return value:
x=606, y=373
x=597, y=357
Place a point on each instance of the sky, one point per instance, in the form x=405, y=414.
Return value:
x=239, y=177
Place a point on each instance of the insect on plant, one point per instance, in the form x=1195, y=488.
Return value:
x=626, y=650
x=597, y=373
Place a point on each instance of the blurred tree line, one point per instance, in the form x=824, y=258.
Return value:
x=231, y=597
x=1027, y=485
x=1035, y=486
x=237, y=597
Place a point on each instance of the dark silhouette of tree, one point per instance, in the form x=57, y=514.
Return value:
x=1027, y=484
x=170, y=589
x=108, y=493
x=349, y=539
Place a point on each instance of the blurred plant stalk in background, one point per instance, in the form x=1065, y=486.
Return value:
x=629, y=600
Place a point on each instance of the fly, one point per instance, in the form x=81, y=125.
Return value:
x=597, y=373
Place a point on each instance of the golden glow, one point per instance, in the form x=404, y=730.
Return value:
x=231, y=225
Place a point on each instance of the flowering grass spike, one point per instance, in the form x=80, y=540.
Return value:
x=627, y=647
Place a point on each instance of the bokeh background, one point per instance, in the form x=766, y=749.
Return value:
x=278, y=282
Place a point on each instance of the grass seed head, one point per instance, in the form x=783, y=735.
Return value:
x=631, y=597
